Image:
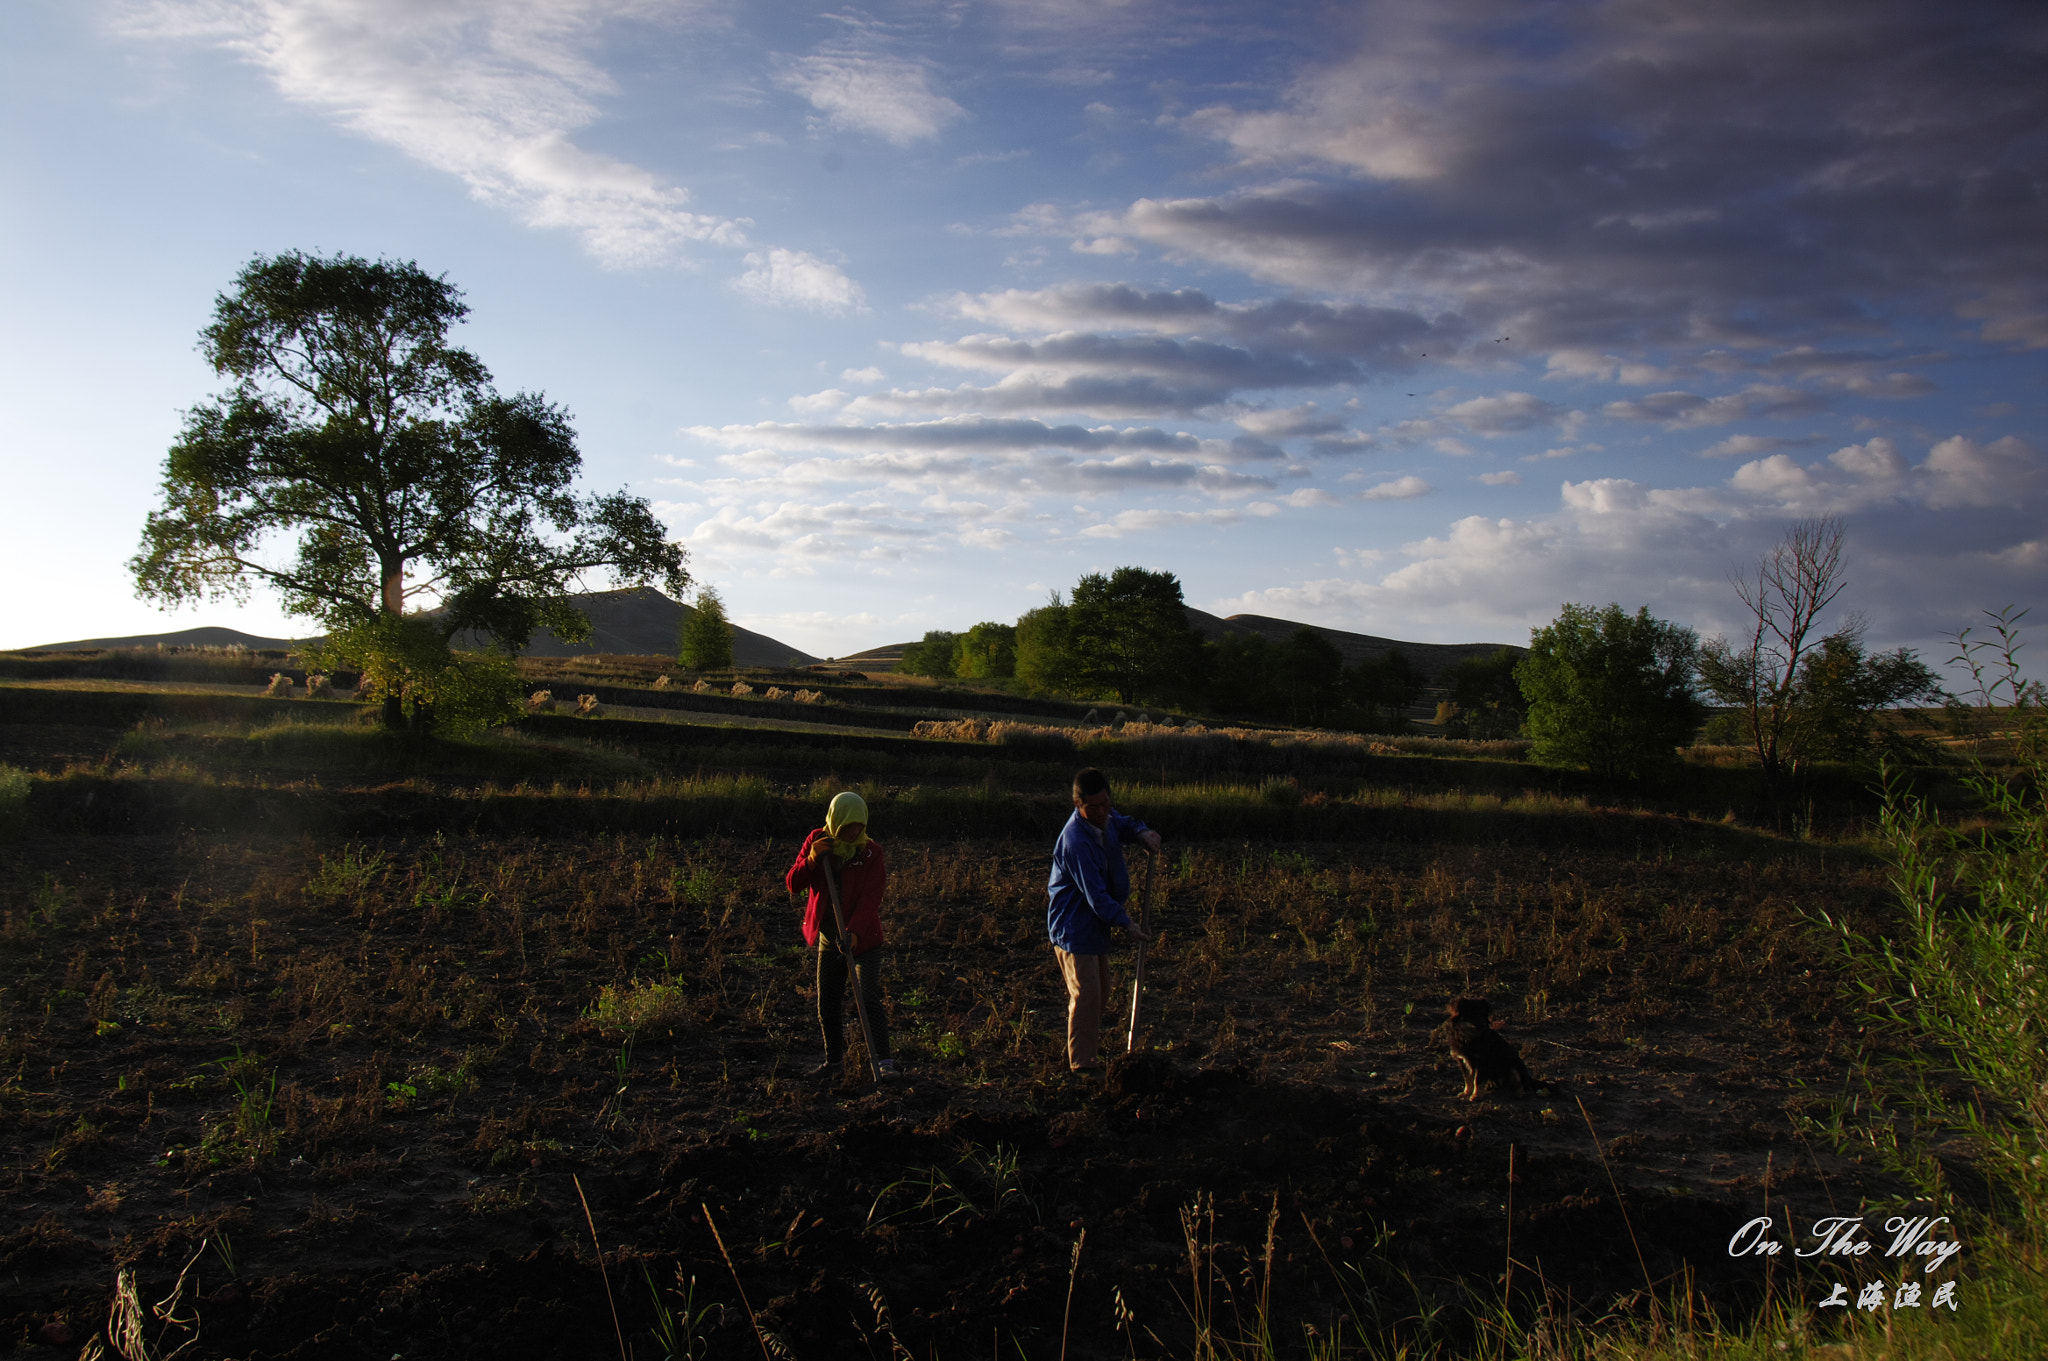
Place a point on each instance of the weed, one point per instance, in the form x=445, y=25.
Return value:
x=348, y=874
x=639, y=1006
x=982, y=1184
x=245, y=1134
x=682, y=1334
x=14, y=787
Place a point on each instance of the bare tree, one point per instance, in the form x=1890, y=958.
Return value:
x=1790, y=588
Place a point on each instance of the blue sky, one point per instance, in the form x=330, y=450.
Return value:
x=1415, y=319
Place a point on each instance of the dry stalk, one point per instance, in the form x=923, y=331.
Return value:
x=602, y=1274
x=745, y=1304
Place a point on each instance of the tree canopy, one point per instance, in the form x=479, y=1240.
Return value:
x=933, y=655
x=705, y=643
x=1129, y=637
x=1609, y=691
x=361, y=464
x=1489, y=702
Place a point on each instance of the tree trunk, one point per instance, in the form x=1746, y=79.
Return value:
x=394, y=605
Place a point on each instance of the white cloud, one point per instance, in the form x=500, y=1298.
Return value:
x=795, y=278
x=489, y=91
x=831, y=399
x=1961, y=472
x=1672, y=548
x=886, y=96
x=866, y=375
x=1744, y=446
x=1508, y=478
x=1146, y=521
x=1504, y=412
x=1605, y=368
x=1677, y=409
x=1400, y=489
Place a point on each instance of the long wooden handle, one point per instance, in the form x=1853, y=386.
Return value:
x=860, y=1003
x=1138, y=975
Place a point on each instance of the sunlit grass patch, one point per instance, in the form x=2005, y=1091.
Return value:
x=14, y=787
x=640, y=1005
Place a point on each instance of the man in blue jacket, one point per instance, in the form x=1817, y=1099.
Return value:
x=1085, y=897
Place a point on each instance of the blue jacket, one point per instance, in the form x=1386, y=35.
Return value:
x=1089, y=884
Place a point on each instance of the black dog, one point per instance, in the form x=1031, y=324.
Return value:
x=1482, y=1053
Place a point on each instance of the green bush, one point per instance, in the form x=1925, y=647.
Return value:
x=1610, y=691
x=14, y=783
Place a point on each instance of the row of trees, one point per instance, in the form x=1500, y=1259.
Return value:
x=1598, y=688
x=1125, y=636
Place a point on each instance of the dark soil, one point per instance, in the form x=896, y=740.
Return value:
x=366, y=1090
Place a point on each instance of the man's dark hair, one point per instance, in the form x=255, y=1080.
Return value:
x=1088, y=781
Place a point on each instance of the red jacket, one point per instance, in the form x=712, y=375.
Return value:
x=862, y=881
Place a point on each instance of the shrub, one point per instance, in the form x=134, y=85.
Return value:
x=639, y=1005
x=14, y=783
x=319, y=687
x=705, y=642
x=407, y=662
x=280, y=686
x=1610, y=691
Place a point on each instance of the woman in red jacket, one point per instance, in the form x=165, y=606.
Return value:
x=863, y=879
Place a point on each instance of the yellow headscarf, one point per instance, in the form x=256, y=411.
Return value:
x=846, y=809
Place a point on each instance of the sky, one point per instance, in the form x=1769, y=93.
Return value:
x=1414, y=318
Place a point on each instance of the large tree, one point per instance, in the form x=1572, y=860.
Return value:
x=1609, y=690
x=988, y=651
x=361, y=466
x=1129, y=637
x=1044, y=638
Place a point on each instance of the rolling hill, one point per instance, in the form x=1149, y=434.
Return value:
x=636, y=622
x=642, y=622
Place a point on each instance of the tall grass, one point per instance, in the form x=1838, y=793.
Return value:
x=14, y=784
x=1959, y=991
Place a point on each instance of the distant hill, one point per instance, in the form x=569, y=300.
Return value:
x=1429, y=658
x=642, y=622
x=200, y=637
x=874, y=659
x=637, y=622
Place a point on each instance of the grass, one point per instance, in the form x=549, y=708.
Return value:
x=14, y=786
